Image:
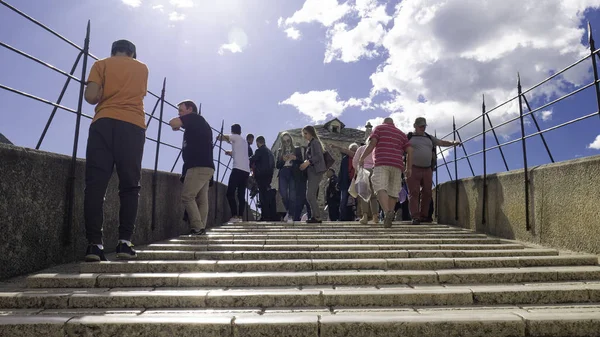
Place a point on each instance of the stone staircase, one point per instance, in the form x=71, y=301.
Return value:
x=330, y=279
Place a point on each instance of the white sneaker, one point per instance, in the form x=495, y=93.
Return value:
x=234, y=220
x=286, y=218
x=290, y=219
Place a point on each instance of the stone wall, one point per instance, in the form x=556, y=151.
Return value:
x=33, y=187
x=563, y=204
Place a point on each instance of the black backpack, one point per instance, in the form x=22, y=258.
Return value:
x=433, y=153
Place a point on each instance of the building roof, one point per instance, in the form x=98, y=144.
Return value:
x=344, y=135
x=5, y=140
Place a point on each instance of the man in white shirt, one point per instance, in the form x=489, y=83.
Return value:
x=238, y=178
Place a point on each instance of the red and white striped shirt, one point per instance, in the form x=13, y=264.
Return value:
x=391, y=145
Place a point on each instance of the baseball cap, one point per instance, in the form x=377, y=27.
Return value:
x=421, y=121
x=125, y=44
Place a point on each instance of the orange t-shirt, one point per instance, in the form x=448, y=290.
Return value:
x=124, y=81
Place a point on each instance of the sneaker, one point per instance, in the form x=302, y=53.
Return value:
x=313, y=220
x=234, y=219
x=290, y=220
x=195, y=231
x=389, y=218
x=286, y=218
x=124, y=251
x=416, y=221
x=94, y=254
x=375, y=220
x=364, y=220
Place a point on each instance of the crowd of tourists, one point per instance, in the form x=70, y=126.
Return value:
x=368, y=185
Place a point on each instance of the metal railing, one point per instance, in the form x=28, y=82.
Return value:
x=485, y=119
x=83, y=55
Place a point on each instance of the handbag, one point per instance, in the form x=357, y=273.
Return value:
x=328, y=159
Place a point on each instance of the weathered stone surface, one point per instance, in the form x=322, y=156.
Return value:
x=155, y=325
x=301, y=324
x=520, y=294
x=264, y=298
x=551, y=225
x=27, y=326
x=580, y=324
x=399, y=324
x=33, y=203
x=397, y=297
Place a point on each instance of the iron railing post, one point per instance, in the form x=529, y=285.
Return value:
x=60, y=97
x=465, y=151
x=218, y=170
x=537, y=126
x=525, y=169
x=226, y=169
x=455, y=172
x=155, y=175
x=437, y=188
x=484, y=196
x=497, y=141
x=150, y=118
x=71, y=182
x=594, y=65
x=176, y=160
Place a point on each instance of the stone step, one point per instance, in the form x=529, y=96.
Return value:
x=327, y=247
x=395, y=296
x=463, y=321
x=210, y=235
x=372, y=229
x=330, y=224
x=334, y=264
x=396, y=241
x=147, y=254
x=316, y=278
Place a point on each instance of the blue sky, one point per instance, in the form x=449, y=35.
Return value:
x=271, y=65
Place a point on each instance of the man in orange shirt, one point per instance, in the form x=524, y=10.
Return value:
x=117, y=86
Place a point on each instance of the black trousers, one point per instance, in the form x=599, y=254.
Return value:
x=238, y=179
x=112, y=143
x=268, y=209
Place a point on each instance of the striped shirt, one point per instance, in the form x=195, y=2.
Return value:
x=391, y=145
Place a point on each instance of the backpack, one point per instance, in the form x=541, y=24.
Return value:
x=433, y=153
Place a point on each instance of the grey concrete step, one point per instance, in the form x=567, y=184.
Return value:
x=465, y=321
x=396, y=296
x=316, y=278
x=328, y=247
x=147, y=254
x=344, y=241
x=347, y=235
x=334, y=264
x=364, y=229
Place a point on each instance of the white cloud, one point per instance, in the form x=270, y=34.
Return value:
x=595, y=144
x=232, y=47
x=441, y=56
x=364, y=40
x=182, y=3
x=174, y=16
x=320, y=105
x=545, y=114
x=159, y=7
x=238, y=40
x=292, y=33
x=133, y=3
x=326, y=12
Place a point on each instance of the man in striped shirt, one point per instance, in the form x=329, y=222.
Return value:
x=389, y=144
